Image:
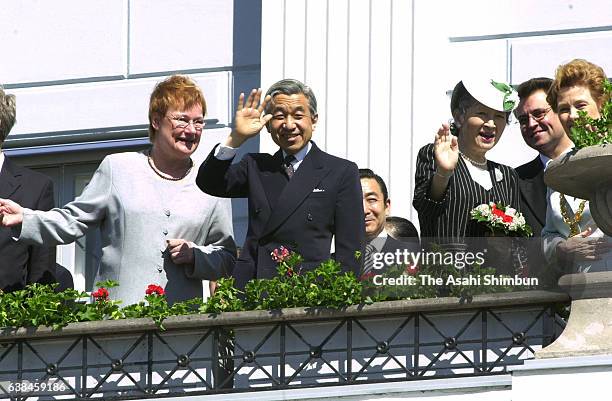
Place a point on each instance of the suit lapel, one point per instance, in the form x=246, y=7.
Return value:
x=9, y=180
x=388, y=245
x=533, y=190
x=273, y=179
x=305, y=179
x=539, y=196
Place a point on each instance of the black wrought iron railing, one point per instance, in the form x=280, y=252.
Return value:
x=262, y=350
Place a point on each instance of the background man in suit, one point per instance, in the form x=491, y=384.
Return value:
x=542, y=131
x=22, y=264
x=300, y=197
x=376, y=209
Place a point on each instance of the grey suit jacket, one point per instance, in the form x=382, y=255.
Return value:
x=556, y=230
x=136, y=212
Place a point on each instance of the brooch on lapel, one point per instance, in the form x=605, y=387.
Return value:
x=498, y=175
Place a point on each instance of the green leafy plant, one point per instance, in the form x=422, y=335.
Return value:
x=40, y=305
x=225, y=298
x=102, y=308
x=326, y=286
x=156, y=307
x=418, y=289
x=588, y=131
x=415, y=290
x=323, y=287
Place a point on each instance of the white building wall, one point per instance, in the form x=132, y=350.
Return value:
x=382, y=70
x=85, y=66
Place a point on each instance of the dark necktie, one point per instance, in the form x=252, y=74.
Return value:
x=287, y=166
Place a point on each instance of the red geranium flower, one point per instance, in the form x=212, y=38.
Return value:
x=101, y=294
x=279, y=255
x=154, y=289
x=412, y=270
x=367, y=276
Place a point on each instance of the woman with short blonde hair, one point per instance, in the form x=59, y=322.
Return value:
x=570, y=236
x=157, y=227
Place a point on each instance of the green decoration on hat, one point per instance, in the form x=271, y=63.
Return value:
x=510, y=95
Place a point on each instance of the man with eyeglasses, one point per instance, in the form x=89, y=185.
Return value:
x=542, y=131
x=299, y=198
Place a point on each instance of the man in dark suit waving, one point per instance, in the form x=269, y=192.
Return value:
x=300, y=197
x=22, y=264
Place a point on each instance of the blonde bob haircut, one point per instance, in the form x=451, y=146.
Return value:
x=178, y=92
x=578, y=72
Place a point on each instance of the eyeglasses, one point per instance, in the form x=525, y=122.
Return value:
x=181, y=122
x=537, y=114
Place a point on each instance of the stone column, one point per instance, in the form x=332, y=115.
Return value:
x=587, y=174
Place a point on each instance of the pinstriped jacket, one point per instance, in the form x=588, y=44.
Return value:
x=449, y=219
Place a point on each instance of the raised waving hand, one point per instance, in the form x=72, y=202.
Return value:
x=249, y=119
x=446, y=150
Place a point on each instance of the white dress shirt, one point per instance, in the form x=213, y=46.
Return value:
x=226, y=153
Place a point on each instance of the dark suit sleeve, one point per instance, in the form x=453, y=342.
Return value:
x=223, y=179
x=349, y=220
x=41, y=261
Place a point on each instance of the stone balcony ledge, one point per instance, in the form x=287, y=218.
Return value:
x=230, y=319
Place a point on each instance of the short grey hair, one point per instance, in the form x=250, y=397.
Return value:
x=8, y=112
x=292, y=87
